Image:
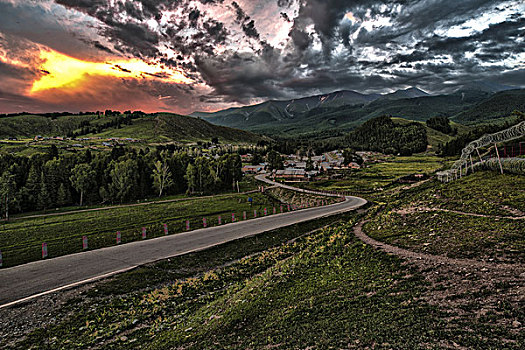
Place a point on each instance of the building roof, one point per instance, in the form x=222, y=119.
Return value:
x=291, y=172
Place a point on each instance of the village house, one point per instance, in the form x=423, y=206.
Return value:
x=295, y=174
x=246, y=157
x=353, y=165
x=252, y=169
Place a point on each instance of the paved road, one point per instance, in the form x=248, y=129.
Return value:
x=24, y=282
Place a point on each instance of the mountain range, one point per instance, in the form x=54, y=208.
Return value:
x=340, y=111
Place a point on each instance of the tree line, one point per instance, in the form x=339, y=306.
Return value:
x=50, y=180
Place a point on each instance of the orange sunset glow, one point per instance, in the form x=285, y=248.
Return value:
x=64, y=71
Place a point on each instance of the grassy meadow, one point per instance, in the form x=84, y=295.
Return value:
x=20, y=240
x=378, y=177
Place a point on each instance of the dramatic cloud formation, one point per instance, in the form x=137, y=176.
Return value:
x=191, y=55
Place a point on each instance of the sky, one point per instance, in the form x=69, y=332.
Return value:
x=205, y=55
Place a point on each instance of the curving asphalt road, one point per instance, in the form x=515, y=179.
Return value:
x=22, y=283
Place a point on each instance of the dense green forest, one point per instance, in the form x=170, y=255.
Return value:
x=441, y=124
x=51, y=180
x=381, y=134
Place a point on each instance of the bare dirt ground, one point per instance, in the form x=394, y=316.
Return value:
x=470, y=292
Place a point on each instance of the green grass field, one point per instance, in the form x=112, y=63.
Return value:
x=369, y=182
x=20, y=240
x=412, y=219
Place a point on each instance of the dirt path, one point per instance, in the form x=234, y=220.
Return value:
x=468, y=292
x=433, y=259
x=412, y=210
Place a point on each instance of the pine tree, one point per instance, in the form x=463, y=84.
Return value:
x=63, y=196
x=43, y=199
x=32, y=188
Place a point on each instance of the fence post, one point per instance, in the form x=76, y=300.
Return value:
x=84, y=242
x=499, y=159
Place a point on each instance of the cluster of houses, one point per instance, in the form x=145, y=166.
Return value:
x=296, y=168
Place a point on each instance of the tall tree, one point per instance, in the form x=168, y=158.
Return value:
x=44, y=199
x=200, y=176
x=82, y=179
x=124, y=175
x=7, y=192
x=274, y=160
x=63, y=195
x=162, y=177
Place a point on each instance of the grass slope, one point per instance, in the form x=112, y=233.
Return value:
x=412, y=219
x=497, y=106
x=162, y=127
x=28, y=126
x=377, y=178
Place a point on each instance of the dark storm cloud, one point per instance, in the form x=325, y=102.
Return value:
x=380, y=45
x=41, y=25
x=247, y=24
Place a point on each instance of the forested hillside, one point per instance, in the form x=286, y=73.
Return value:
x=383, y=135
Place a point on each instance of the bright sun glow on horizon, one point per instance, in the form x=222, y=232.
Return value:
x=65, y=71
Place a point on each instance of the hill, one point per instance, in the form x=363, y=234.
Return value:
x=434, y=137
x=496, y=106
x=160, y=127
x=381, y=134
